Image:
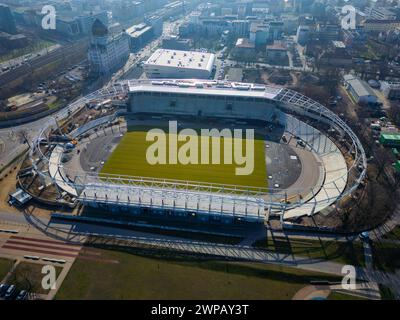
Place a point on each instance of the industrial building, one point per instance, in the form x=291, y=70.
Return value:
x=259, y=33
x=390, y=139
x=391, y=90
x=165, y=63
x=359, y=90
x=139, y=36
x=176, y=43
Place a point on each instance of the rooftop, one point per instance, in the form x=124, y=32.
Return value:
x=339, y=44
x=360, y=87
x=381, y=21
x=181, y=59
x=258, y=26
x=207, y=87
x=244, y=43
x=278, y=45
x=391, y=136
x=137, y=30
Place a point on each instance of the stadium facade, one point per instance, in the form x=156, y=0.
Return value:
x=204, y=99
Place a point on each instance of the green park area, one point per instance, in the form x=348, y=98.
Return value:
x=339, y=251
x=128, y=275
x=5, y=267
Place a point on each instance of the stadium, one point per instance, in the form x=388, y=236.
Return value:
x=306, y=159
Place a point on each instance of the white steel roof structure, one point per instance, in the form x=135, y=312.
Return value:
x=341, y=177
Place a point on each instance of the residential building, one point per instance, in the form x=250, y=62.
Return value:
x=303, y=35
x=176, y=43
x=7, y=21
x=276, y=51
x=244, y=48
x=107, y=52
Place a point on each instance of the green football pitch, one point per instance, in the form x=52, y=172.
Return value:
x=129, y=158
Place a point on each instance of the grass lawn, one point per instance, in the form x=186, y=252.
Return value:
x=394, y=234
x=5, y=266
x=343, y=252
x=36, y=46
x=386, y=293
x=28, y=276
x=55, y=104
x=386, y=256
x=129, y=158
x=132, y=276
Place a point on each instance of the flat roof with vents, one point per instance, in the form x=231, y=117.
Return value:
x=179, y=64
x=182, y=59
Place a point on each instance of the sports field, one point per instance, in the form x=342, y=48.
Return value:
x=131, y=157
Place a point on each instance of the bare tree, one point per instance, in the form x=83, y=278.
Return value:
x=22, y=134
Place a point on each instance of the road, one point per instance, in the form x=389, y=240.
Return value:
x=169, y=28
x=28, y=57
x=38, y=62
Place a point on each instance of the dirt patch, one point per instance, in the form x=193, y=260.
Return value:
x=7, y=186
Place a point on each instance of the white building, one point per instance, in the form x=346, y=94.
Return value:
x=107, y=52
x=166, y=63
x=360, y=90
x=391, y=90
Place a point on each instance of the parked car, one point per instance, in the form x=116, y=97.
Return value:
x=11, y=292
x=3, y=289
x=301, y=143
x=22, y=295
